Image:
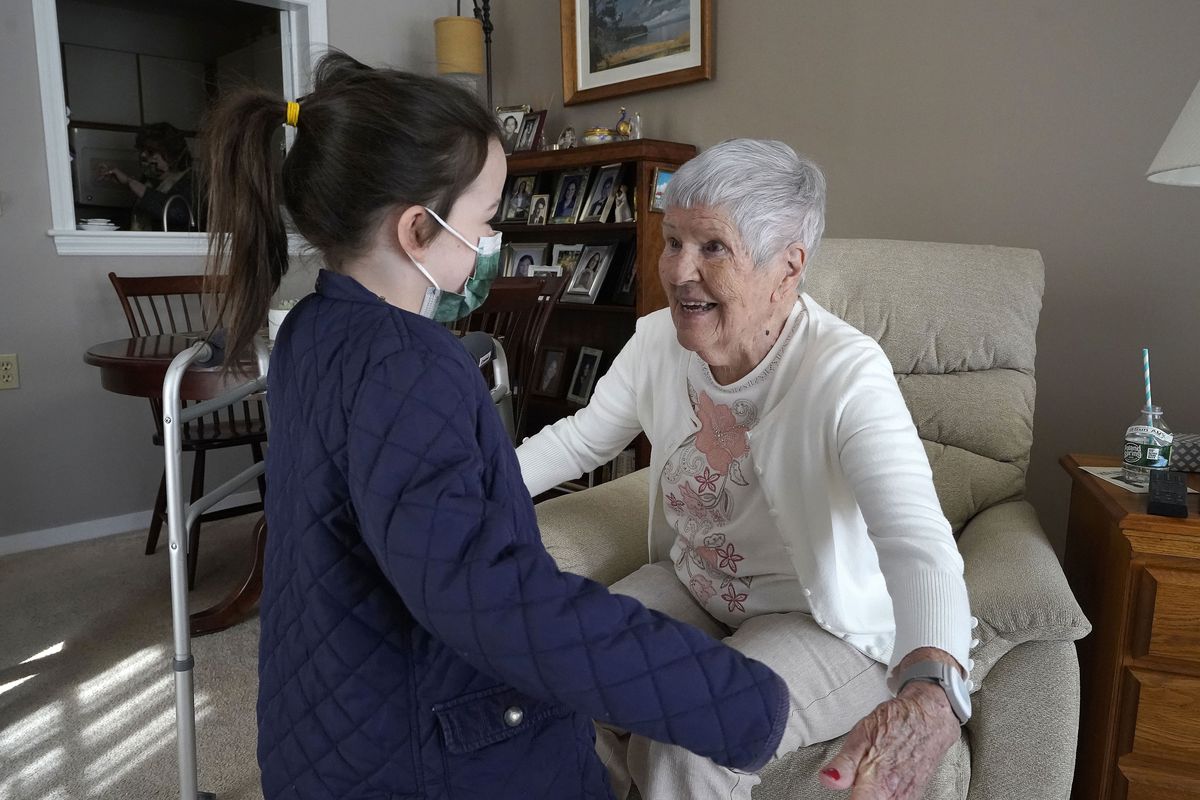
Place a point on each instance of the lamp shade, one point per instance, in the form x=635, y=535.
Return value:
x=1178, y=160
x=459, y=42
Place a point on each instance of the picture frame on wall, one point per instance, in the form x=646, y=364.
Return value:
x=510, y=118
x=551, y=374
x=568, y=195
x=600, y=199
x=588, y=275
x=518, y=199
x=611, y=49
x=583, y=379
x=522, y=256
x=662, y=176
x=531, y=131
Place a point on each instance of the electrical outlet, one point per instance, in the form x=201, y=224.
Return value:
x=10, y=376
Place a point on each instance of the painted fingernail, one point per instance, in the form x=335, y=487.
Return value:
x=832, y=773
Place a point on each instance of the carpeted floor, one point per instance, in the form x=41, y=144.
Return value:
x=94, y=715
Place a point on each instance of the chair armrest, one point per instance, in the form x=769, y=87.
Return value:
x=1017, y=588
x=599, y=533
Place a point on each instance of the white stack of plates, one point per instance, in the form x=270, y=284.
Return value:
x=97, y=224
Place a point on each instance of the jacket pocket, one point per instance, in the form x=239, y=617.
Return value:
x=492, y=715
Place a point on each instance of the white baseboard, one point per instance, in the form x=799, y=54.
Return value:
x=97, y=528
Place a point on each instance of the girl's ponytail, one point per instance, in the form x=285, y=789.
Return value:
x=247, y=246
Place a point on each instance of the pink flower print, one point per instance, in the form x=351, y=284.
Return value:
x=721, y=439
x=727, y=559
x=734, y=598
x=708, y=480
x=675, y=502
x=708, y=557
x=701, y=588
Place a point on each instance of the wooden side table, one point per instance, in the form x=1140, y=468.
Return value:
x=1137, y=577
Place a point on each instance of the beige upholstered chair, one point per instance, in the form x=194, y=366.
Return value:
x=958, y=323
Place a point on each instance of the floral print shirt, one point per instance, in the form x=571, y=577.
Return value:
x=728, y=550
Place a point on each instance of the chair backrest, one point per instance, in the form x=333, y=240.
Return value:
x=177, y=304
x=516, y=312
x=164, y=303
x=958, y=323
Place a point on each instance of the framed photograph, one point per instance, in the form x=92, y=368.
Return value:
x=545, y=272
x=622, y=205
x=510, y=118
x=626, y=281
x=584, y=377
x=539, y=207
x=522, y=256
x=600, y=199
x=589, y=274
x=518, y=199
x=531, y=131
x=611, y=49
x=566, y=256
x=662, y=177
x=568, y=195
x=550, y=375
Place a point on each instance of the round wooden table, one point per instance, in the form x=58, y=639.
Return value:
x=136, y=367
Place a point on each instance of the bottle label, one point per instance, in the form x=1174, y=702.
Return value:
x=1158, y=435
x=1145, y=449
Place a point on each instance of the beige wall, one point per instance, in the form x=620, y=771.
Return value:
x=70, y=451
x=1026, y=123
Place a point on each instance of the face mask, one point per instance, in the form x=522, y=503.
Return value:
x=442, y=306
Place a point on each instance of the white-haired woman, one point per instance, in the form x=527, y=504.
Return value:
x=792, y=507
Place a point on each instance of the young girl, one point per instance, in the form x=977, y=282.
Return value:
x=417, y=639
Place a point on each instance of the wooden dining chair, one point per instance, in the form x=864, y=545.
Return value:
x=182, y=304
x=516, y=313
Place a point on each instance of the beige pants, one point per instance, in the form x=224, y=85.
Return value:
x=832, y=687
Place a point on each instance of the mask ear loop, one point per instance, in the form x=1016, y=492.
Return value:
x=458, y=235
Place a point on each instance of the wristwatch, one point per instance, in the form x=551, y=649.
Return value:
x=944, y=675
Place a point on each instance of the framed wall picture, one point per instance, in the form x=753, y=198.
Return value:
x=552, y=371
x=539, y=207
x=614, y=48
x=510, y=118
x=531, y=131
x=600, y=199
x=583, y=380
x=522, y=256
x=662, y=177
x=518, y=199
x=566, y=256
x=589, y=274
x=568, y=195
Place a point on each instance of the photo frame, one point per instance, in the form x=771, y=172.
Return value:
x=626, y=284
x=568, y=195
x=539, y=208
x=588, y=275
x=648, y=46
x=545, y=271
x=583, y=379
x=551, y=373
x=518, y=199
x=600, y=198
x=522, y=256
x=662, y=176
x=510, y=119
x=530, y=132
x=566, y=256
x=623, y=204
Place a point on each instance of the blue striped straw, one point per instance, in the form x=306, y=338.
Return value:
x=1146, y=372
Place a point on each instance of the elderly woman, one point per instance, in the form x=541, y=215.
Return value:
x=792, y=508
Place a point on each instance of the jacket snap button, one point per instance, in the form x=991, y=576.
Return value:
x=974, y=643
x=513, y=717
x=808, y=592
x=970, y=664
x=974, y=623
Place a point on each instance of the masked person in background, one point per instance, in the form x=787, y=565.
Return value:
x=166, y=174
x=417, y=639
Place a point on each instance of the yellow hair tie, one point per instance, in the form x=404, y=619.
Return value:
x=293, y=113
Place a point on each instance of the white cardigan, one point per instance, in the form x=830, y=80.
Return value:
x=844, y=473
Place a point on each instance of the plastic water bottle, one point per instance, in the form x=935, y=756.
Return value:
x=1147, y=446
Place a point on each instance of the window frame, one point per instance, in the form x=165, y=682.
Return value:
x=307, y=30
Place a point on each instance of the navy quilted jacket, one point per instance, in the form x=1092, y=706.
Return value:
x=417, y=639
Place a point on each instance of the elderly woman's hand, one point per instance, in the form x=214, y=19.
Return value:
x=892, y=752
